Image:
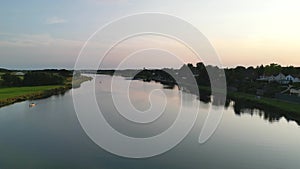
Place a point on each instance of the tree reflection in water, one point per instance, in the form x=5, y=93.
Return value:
x=267, y=113
x=240, y=106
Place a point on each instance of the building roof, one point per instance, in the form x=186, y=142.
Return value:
x=19, y=73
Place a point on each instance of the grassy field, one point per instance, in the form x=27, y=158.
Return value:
x=262, y=102
x=16, y=94
x=10, y=95
x=270, y=102
x=12, y=92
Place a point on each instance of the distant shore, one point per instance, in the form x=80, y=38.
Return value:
x=285, y=108
x=263, y=103
x=282, y=107
x=11, y=95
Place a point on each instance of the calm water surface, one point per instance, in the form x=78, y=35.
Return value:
x=50, y=136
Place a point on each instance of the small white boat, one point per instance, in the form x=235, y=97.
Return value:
x=32, y=104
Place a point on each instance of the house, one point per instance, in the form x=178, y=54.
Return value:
x=296, y=80
x=262, y=78
x=290, y=78
x=19, y=74
x=280, y=77
x=271, y=78
x=294, y=91
x=267, y=78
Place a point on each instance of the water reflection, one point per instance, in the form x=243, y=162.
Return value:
x=240, y=106
x=138, y=93
x=270, y=114
x=50, y=136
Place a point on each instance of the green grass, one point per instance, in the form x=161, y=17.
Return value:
x=10, y=95
x=263, y=101
x=271, y=102
x=12, y=92
x=16, y=94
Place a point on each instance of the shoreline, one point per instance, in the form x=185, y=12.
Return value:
x=274, y=103
x=40, y=92
x=263, y=103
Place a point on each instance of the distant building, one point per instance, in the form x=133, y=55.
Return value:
x=295, y=92
x=267, y=78
x=19, y=74
x=271, y=78
x=280, y=78
x=290, y=78
x=296, y=80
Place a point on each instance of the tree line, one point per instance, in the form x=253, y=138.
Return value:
x=239, y=79
x=36, y=78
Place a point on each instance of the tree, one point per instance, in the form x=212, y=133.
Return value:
x=290, y=71
x=260, y=70
x=273, y=69
x=42, y=78
x=11, y=80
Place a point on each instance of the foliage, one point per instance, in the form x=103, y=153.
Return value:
x=34, y=78
x=42, y=78
x=239, y=79
x=272, y=69
x=11, y=92
x=11, y=80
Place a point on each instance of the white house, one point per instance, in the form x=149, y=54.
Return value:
x=19, y=74
x=280, y=77
x=294, y=91
x=296, y=80
x=271, y=78
x=267, y=78
x=289, y=78
x=262, y=78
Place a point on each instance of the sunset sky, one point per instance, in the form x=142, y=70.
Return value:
x=49, y=34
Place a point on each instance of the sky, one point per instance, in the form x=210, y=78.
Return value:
x=36, y=34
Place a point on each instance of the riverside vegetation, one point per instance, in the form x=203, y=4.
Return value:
x=243, y=85
x=16, y=86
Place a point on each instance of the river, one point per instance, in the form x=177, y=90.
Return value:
x=49, y=135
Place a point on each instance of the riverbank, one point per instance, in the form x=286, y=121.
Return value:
x=10, y=95
x=263, y=103
x=77, y=81
x=260, y=102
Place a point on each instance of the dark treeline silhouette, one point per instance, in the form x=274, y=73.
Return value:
x=239, y=79
x=35, y=78
x=4, y=70
x=42, y=78
x=11, y=80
